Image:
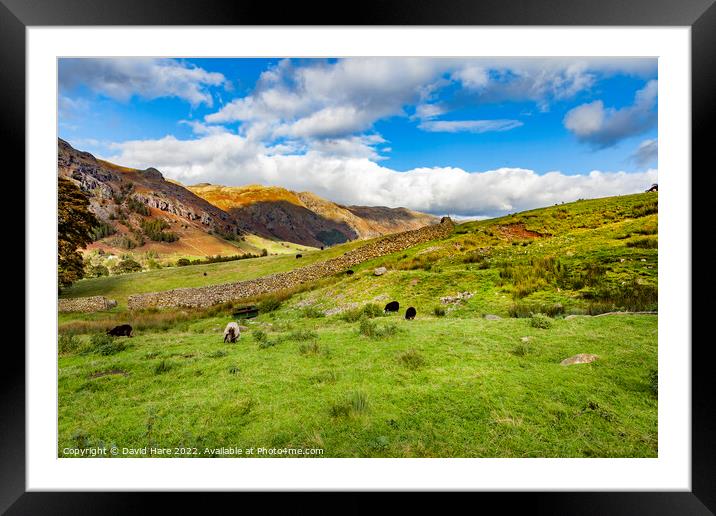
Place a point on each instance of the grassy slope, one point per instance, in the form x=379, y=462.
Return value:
x=480, y=391
x=472, y=397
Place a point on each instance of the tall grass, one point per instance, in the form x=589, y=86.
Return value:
x=367, y=311
x=353, y=404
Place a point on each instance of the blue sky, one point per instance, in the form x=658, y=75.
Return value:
x=471, y=137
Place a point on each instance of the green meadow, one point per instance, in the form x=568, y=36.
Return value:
x=500, y=303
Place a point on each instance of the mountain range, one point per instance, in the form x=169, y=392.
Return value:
x=142, y=210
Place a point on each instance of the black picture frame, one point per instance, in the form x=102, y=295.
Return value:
x=700, y=15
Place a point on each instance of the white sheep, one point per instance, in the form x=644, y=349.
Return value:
x=232, y=332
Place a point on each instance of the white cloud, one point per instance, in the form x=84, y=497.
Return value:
x=351, y=147
x=328, y=122
x=472, y=76
x=200, y=128
x=472, y=126
x=235, y=160
x=544, y=80
x=123, y=78
x=428, y=111
x=69, y=108
x=603, y=127
x=330, y=100
x=647, y=153
x=337, y=100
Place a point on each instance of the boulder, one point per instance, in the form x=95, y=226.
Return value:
x=380, y=271
x=582, y=358
x=492, y=317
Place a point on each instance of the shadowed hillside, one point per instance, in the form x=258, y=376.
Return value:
x=306, y=218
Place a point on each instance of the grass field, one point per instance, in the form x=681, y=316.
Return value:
x=354, y=383
x=437, y=388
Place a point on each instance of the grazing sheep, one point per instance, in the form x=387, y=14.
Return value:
x=299, y=256
x=232, y=332
x=393, y=306
x=349, y=272
x=121, y=330
x=410, y=313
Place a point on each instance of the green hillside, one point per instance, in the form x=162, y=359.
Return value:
x=324, y=368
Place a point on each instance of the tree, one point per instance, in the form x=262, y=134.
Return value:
x=75, y=225
x=127, y=265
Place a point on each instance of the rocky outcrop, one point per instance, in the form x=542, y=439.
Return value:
x=109, y=184
x=215, y=294
x=582, y=358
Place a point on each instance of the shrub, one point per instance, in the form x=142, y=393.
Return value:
x=137, y=206
x=370, y=329
x=126, y=266
x=372, y=310
x=102, y=231
x=234, y=369
x=97, y=271
x=526, y=309
x=123, y=242
x=269, y=305
x=312, y=312
x=521, y=349
x=528, y=278
x=439, y=311
x=309, y=349
x=644, y=243
x=642, y=210
x=68, y=344
x=647, y=230
x=368, y=311
x=183, y=262
x=154, y=229
x=411, y=359
x=267, y=344
x=303, y=335
x=634, y=296
x=103, y=344
x=260, y=336
x=540, y=321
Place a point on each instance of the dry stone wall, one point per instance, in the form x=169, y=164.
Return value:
x=86, y=304
x=215, y=294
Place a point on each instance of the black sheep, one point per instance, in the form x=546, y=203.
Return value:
x=349, y=272
x=393, y=306
x=124, y=330
x=299, y=256
x=410, y=313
